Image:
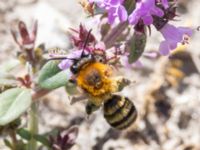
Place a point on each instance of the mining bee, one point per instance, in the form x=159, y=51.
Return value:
x=170, y=73
x=88, y=7
x=94, y=76
x=179, y=65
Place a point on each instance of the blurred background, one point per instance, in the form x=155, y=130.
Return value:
x=166, y=94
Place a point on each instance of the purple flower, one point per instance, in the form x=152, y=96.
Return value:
x=76, y=54
x=144, y=10
x=66, y=63
x=125, y=63
x=165, y=3
x=173, y=35
x=114, y=8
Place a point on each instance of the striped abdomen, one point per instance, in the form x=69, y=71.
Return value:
x=119, y=112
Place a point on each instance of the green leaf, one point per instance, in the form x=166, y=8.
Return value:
x=136, y=46
x=52, y=77
x=42, y=139
x=20, y=145
x=9, y=65
x=8, y=143
x=13, y=103
x=54, y=132
x=6, y=75
x=25, y=134
x=129, y=5
x=6, y=84
x=4, y=81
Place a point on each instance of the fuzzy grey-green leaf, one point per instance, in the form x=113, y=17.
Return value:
x=9, y=65
x=136, y=46
x=51, y=77
x=13, y=103
x=4, y=81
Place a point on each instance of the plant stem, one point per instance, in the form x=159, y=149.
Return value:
x=39, y=93
x=14, y=139
x=114, y=34
x=33, y=126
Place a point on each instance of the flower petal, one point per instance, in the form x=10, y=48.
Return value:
x=111, y=16
x=186, y=30
x=116, y=2
x=158, y=12
x=114, y=8
x=170, y=32
x=147, y=20
x=164, y=48
x=137, y=64
x=165, y=3
x=122, y=13
x=133, y=19
x=65, y=64
x=144, y=10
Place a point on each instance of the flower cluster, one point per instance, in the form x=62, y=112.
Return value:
x=144, y=9
x=148, y=12
x=26, y=40
x=114, y=8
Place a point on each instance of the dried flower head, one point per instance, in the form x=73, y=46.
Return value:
x=65, y=139
x=26, y=39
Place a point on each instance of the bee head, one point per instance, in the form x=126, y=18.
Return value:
x=81, y=62
x=99, y=55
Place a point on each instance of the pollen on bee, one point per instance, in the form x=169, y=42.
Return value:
x=95, y=79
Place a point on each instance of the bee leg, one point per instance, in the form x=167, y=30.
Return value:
x=122, y=83
x=73, y=81
x=75, y=99
x=90, y=108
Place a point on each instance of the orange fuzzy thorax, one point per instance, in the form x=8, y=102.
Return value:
x=95, y=90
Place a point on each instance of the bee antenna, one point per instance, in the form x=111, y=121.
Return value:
x=61, y=58
x=86, y=41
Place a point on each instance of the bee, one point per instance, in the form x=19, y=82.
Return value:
x=170, y=74
x=94, y=76
x=173, y=72
x=88, y=7
x=181, y=64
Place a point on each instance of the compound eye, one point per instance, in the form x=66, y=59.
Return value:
x=74, y=69
x=99, y=59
